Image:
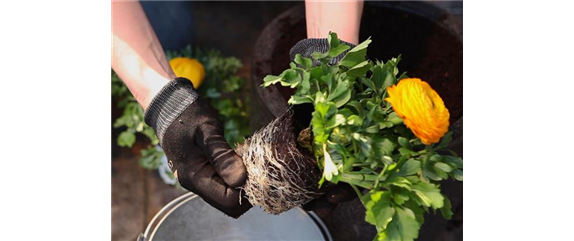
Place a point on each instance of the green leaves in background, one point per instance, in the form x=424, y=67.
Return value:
x=151, y=158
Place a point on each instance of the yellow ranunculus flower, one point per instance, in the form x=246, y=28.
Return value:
x=188, y=68
x=421, y=109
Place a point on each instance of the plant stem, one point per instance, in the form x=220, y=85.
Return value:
x=357, y=191
x=352, y=181
x=360, y=176
x=381, y=175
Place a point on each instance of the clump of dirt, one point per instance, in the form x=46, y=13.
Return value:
x=281, y=175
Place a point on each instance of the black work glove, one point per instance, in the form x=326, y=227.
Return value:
x=306, y=47
x=191, y=135
x=342, y=192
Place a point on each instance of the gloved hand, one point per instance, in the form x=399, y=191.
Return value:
x=342, y=192
x=306, y=47
x=191, y=135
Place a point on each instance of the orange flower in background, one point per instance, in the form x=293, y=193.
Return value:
x=421, y=109
x=188, y=68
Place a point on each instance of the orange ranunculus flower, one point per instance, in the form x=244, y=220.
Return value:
x=421, y=109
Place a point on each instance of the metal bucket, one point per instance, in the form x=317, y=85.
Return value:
x=190, y=218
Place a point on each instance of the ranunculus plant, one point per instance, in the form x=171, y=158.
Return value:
x=377, y=131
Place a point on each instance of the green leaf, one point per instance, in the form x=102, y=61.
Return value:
x=340, y=94
x=400, y=182
x=342, y=99
x=445, y=140
x=400, y=195
x=354, y=120
x=436, y=158
x=335, y=46
x=357, y=106
x=429, y=194
x=318, y=127
x=441, y=173
x=356, y=55
x=333, y=40
x=291, y=78
x=417, y=209
x=329, y=79
x=319, y=55
x=305, y=83
x=387, y=160
x=306, y=63
x=325, y=109
x=404, y=225
x=293, y=65
x=377, y=77
x=394, y=118
x=388, y=80
x=431, y=174
x=372, y=129
x=457, y=174
x=365, y=144
x=126, y=139
x=296, y=100
x=404, y=142
x=360, y=70
x=345, y=111
x=319, y=97
x=413, y=179
x=316, y=72
x=339, y=149
x=335, y=121
x=406, y=152
x=443, y=166
x=446, y=210
x=271, y=79
x=379, y=210
x=386, y=146
x=453, y=161
x=334, y=52
x=385, y=124
x=368, y=82
x=410, y=167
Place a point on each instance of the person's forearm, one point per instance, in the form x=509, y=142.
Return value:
x=343, y=17
x=137, y=55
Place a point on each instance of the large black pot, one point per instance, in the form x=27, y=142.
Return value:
x=430, y=42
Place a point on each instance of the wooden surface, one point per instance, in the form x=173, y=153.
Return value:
x=137, y=195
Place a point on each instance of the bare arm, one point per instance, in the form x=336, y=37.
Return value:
x=137, y=55
x=344, y=18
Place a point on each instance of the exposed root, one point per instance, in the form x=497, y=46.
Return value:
x=280, y=176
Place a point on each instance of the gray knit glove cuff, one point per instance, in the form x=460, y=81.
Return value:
x=168, y=104
x=306, y=47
